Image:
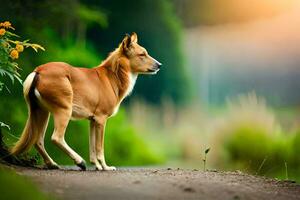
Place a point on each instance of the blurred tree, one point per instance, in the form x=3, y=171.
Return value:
x=69, y=18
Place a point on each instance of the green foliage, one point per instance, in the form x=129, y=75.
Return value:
x=251, y=139
x=250, y=144
x=270, y=154
x=89, y=15
x=125, y=146
x=9, y=52
x=77, y=54
x=14, y=186
x=294, y=144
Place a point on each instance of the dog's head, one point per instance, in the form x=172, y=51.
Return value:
x=139, y=60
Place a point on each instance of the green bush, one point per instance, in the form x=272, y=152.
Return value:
x=294, y=149
x=264, y=154
x=253, y=140
x=70, y=51
x=14, y=186
x=248, y=147
x=124, y=146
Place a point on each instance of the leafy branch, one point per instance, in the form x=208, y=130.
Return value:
x=10, y=50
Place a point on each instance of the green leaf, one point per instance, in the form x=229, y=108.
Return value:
x=7, y=89
x=10, y=74
x=35, y=47
x=12, y=34
x=11, y=77
x=207, y=150
x=25, y=41
x=1, y=86
x=18, y=79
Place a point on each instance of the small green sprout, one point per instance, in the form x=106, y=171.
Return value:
x=205, y=156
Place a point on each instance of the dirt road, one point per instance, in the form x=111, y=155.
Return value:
x=159, y=184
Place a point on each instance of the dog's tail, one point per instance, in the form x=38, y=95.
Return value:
x=36, y=120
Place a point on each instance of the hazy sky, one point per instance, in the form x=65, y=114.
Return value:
x=259, y=55
x=195, y=12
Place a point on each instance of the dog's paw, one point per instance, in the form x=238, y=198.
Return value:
x=82, y=165
x=98, y=166
x=109, y=168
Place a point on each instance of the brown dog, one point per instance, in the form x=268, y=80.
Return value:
x=79, y=93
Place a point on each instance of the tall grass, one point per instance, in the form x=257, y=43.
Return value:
x=252, y=139
x=247, y=135
x=179, y=133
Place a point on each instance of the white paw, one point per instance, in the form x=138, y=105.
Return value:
x=109, y=168
x=97, y=165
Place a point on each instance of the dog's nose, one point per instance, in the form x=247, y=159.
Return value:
x=158, y=64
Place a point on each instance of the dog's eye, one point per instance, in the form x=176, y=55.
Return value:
x=142, y=54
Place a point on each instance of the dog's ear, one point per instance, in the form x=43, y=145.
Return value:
x=134, y=37
x=126, y=43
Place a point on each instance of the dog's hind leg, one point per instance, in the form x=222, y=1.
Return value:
x=61, y=120
x=39, y=145
x=93, y=156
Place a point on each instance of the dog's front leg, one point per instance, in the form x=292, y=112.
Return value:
x=100, y=130
x=93, y=156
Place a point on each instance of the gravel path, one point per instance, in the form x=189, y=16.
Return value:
x=159, y=184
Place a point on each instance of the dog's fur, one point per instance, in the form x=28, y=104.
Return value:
x=79, y=93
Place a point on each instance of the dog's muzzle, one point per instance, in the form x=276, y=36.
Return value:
x=155, y=68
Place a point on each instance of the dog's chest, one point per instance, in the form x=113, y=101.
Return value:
x=132, y=81
x=79, y=111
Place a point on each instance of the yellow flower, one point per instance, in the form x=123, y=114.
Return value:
x=2, y=31
x=19, y=47
x=6, y=24
x=14, y=54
